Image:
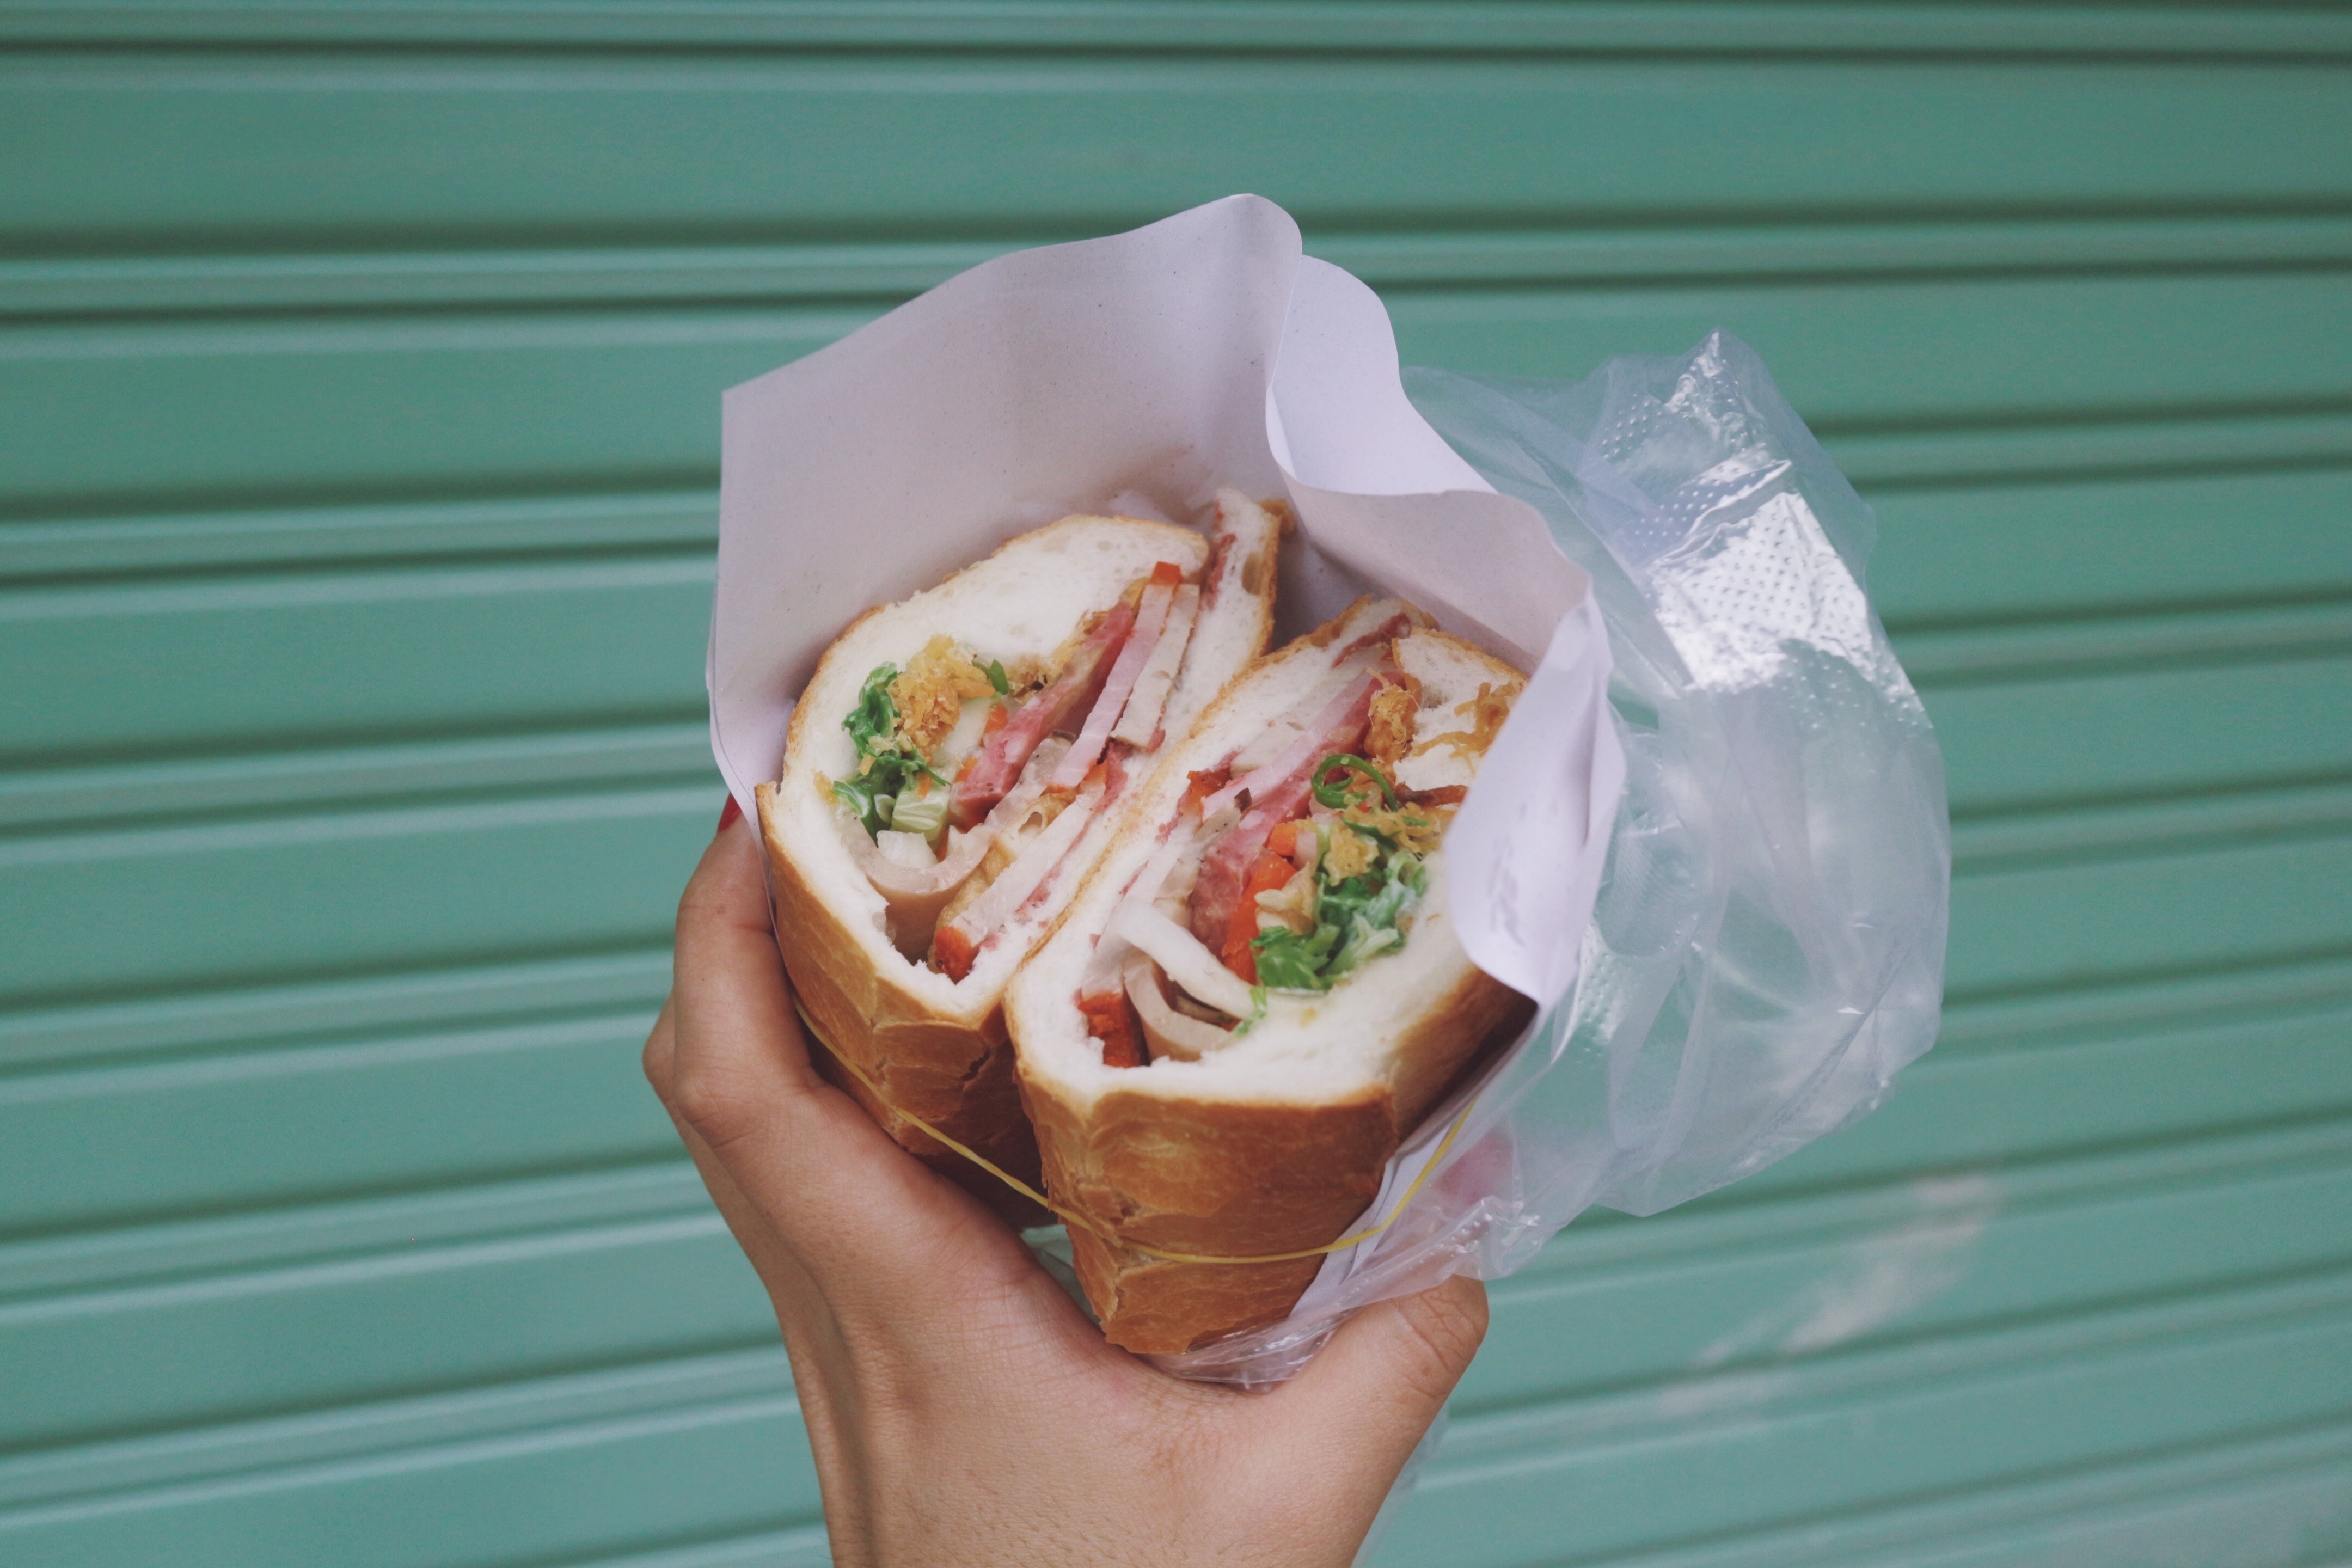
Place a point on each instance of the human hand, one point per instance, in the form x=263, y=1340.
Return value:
x=962, y=1410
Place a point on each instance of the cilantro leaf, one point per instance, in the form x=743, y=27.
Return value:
x=886, y=768
x=875, y=717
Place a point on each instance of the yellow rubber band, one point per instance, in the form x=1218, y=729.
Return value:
x=1087, y=1221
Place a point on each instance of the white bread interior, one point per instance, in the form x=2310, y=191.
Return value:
x=936, y=1047
x=1279, y=1140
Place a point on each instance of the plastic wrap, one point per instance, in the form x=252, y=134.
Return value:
x=1766, y=949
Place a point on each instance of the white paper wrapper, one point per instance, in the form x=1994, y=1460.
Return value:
x=1136, y=374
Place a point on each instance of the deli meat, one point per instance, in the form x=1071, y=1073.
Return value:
x=1072, y=692
x=1150, y=617
x=1228, y=861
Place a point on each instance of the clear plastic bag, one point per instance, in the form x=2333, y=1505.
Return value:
x=1768, y=949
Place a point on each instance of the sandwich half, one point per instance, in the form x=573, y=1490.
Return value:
x=1260, y=992
x=957, y=763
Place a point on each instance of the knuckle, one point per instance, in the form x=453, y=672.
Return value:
x=696, y=906
x=656, y=1062
x=710, y=1104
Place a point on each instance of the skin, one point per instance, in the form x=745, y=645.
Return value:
x=961, y=1408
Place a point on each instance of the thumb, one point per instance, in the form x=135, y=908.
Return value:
x=1375, y=1388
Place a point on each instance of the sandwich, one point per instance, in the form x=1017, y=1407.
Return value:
x=957, y=763
x=1260, y=992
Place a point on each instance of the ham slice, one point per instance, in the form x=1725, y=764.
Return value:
x=1314, y=743
x=1023, y=877
x=1007, y=752
x=1150, y=617
x=1139, y=726
x=1339, y=728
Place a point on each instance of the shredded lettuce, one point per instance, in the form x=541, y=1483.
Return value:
x=925, y=815
x=1358, y=917
x=886, y=767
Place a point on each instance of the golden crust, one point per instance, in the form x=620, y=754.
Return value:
x=951, y=1067
x=1231, y=1178
x=954, y=1073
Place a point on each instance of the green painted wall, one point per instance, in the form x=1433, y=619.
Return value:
x=358, y=440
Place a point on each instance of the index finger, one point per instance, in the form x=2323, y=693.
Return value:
x=742, y=1077
x=739, y=1042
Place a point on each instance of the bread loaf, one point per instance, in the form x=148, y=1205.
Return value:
x=1240, y=1133
x=872, y=936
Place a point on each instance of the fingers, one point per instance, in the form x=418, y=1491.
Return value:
x=737, y=1057
x=728, y=1055
x=731, y=1062
x=1371, y=1393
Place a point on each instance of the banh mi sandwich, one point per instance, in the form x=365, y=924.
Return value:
x=957, y=763
x=1260, y=993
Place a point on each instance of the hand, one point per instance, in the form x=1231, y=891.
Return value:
x=962, y=1410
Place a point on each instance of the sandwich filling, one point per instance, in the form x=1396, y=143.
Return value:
x=976, y=774
x=1305, y=856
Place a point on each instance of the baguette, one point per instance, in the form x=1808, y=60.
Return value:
x=1162, y=1125
x=1104, y=632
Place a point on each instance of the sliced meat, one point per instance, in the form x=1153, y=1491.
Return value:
x=959, y=940
x=1352, y=703
x=1150, y=617
x=1072, y=692
x=1138, y=722
x=1228, y=861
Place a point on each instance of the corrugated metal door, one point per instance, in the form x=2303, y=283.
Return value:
x=358, y=436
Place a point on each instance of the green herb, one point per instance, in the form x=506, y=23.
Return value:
x=860, y=801
x=886, y=768
x=1356, y=920
x=1289, y=962
x=995, y=670
x=925, y=815
x=875, y=717
x=1337, y=795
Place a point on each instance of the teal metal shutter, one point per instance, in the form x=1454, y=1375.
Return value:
x=359, y=369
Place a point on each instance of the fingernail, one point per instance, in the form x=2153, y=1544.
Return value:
x=728, y=815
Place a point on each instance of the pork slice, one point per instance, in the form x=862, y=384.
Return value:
x=1353, y=698
x=1072, y=693
x=1225, y=865
x=1150, y=617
